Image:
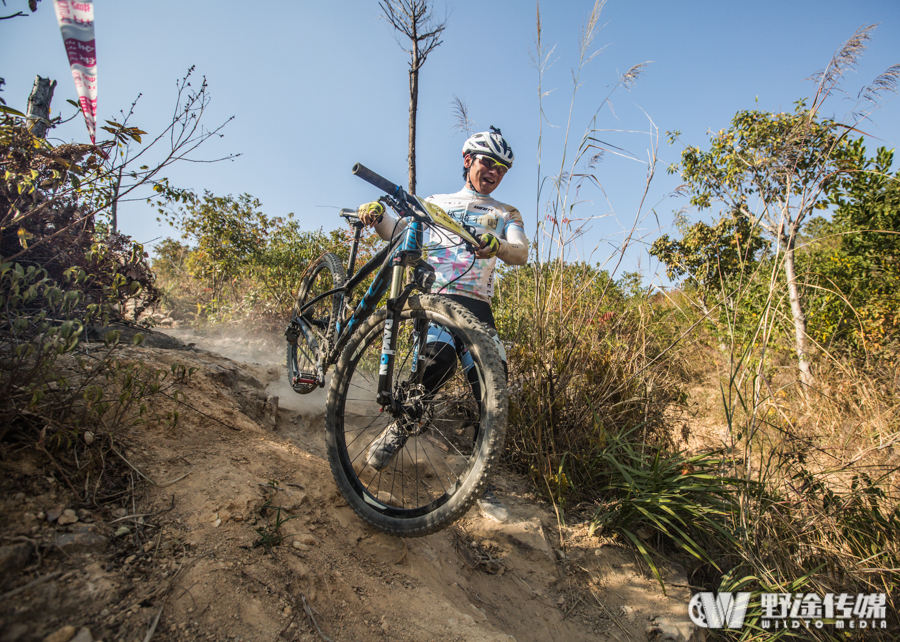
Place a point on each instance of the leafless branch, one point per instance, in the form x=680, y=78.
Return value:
x=185, y=134
x=415, y=20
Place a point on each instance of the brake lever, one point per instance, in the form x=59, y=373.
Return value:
x=404, y=209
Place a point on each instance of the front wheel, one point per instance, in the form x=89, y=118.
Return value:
x=443, y=443
x=312, y=330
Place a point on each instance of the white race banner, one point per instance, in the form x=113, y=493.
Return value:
x=76, y=22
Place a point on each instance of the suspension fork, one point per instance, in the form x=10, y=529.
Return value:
x=389, y=341
x=408, y=253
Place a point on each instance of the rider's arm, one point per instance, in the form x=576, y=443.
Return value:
x=389, y=225
x=383, y=220
x=514, y=247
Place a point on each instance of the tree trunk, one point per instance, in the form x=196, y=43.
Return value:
x=413, y=20
x=38, y=115
x=413, y=106
x=801, y=339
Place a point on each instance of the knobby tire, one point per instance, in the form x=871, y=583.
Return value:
x=444, y=466
x=324, y=274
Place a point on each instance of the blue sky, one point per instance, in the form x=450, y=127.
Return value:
x=317, y=86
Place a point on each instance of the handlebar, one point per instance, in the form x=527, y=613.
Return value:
x=378, y=181
x=407, y=205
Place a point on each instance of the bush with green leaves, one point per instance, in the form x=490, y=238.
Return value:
x=65, y=274
x=713, y=261
x=852, y=261
x=54, y=386
x=234, y=261
x=38, y=323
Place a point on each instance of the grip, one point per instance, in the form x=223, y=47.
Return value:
x=378, y=181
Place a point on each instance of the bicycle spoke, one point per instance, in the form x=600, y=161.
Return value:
x=319, y=319
x=422, y=453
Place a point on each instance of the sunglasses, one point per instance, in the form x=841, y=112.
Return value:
x=489, y=164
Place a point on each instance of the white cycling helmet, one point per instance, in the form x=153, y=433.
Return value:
x=490, y=144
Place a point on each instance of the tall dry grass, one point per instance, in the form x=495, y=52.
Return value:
x=811, y=452
x=802, y=495
x=587, y=346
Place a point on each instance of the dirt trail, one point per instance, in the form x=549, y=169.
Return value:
x=184, y=557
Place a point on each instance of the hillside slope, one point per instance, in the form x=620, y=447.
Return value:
x=181, y=556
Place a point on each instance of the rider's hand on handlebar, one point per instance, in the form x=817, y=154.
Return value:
x=490, y=245
x=370, y=213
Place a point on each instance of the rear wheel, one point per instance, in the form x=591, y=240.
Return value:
x=312, y=330
x=445, y=441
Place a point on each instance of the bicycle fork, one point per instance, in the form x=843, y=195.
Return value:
x=389, y=340
x=409, y=253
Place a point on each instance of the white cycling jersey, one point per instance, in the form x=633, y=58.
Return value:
x=454, y=269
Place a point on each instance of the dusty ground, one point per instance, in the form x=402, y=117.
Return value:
x=182, y=554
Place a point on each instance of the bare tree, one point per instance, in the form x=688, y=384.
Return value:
x=414, y=20
x=108, y=175
x=32, y=4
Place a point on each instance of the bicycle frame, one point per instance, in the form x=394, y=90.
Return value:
x=401, y=252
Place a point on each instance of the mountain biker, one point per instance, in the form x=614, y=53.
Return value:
x=467, y=279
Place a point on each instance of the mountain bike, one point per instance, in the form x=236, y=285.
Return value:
x=450, y=434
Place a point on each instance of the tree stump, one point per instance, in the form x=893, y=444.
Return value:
x=38, y=115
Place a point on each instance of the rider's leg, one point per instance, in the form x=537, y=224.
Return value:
x=440, y=354
x=439, y=359
x=439, y=365
x=482, y=311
